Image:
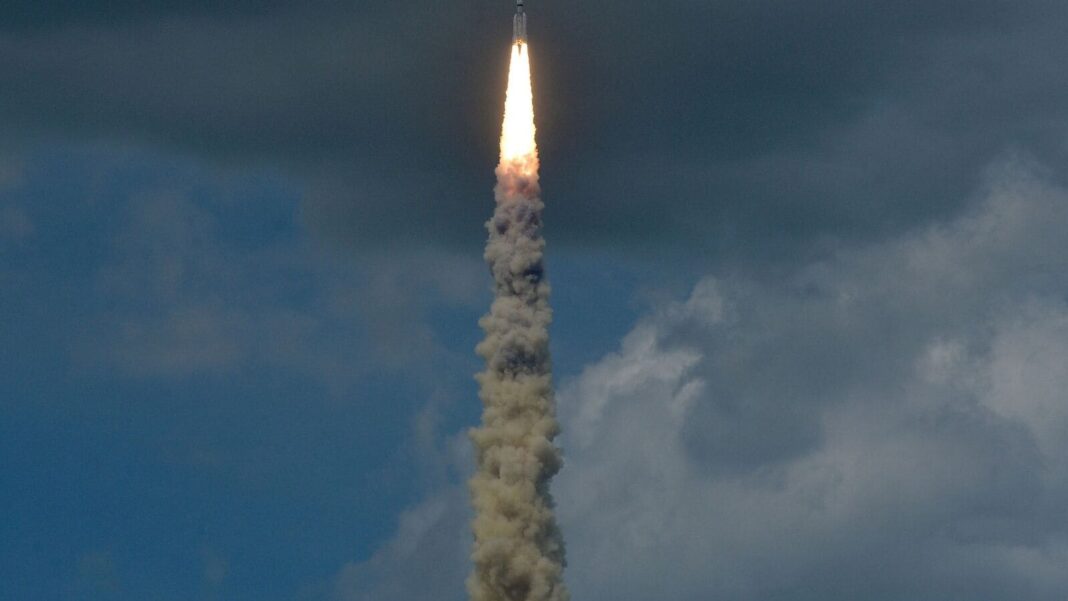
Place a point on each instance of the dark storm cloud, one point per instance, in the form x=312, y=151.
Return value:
x=31, y=14
x=739, y=127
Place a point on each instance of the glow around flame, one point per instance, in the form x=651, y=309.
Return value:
x=517, y=132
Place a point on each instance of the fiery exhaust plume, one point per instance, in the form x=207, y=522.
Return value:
x=518, y=552
x=517, y=132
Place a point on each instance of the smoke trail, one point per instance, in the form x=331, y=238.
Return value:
x=518, y=551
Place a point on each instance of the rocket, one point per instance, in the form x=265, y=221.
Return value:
x=519, y=24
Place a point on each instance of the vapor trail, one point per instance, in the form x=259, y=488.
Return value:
x=518, y=551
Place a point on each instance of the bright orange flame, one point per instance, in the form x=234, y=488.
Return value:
x=517, y=132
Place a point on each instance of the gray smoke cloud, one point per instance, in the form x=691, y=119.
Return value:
x=518, y=550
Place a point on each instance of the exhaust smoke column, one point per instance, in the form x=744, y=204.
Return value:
x=518, y=551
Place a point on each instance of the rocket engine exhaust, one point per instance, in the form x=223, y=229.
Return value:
x=518, y=551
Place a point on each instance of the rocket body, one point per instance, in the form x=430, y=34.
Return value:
x=519, y=24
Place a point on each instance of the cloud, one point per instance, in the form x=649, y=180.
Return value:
x=97, y=575
x=743, y=129
x=215, y=567
x=179, y=297
x=870, y=426
x=425, y=560
x=888, y=422
x=15, y=223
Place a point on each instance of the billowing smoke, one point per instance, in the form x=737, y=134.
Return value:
x=518, y=551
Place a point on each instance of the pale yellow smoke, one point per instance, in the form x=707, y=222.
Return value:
x=518, y=552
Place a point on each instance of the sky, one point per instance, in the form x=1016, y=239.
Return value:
x=808, y=264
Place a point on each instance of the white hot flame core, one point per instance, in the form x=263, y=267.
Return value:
x=517, y=132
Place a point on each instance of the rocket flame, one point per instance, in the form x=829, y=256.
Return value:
x=518, y=551
x=517, y=132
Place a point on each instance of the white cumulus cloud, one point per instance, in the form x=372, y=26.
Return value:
x=888, y=423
